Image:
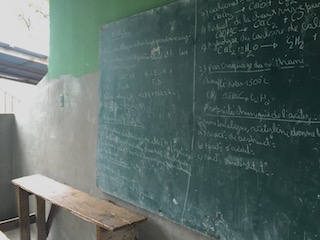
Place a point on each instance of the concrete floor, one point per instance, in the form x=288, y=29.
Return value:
x=14, y=234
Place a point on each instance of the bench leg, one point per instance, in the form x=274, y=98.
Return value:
x=41, y=219
x=23, y=211
x=128, y=233
x=52, y=213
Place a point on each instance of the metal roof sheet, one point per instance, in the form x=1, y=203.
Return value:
x=22, y=65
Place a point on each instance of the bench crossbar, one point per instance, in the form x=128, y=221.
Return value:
x=107, y=216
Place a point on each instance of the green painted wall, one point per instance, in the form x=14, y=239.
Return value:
x=74, y=31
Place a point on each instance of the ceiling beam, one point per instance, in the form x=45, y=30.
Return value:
x=22, y=68
x=21, y=55
x=18, y=79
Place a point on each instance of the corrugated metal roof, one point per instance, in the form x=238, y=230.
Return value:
x=22, y=65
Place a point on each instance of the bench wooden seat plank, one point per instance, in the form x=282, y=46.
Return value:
x=102, y=213
x=3, y=236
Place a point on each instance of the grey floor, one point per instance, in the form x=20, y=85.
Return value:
x=14, y=234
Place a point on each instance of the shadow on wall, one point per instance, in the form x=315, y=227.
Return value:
x=7, y=203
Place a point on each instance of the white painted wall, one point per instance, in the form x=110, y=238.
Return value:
x=12, y=93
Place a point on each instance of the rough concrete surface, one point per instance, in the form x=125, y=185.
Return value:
x=57, y=137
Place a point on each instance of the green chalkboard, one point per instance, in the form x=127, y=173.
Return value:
x=209, y=116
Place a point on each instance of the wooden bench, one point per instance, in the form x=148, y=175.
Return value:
x=112, y=221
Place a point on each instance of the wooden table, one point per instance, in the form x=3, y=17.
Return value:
x=112, y=221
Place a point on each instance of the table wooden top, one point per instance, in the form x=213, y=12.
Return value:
x=100, y=212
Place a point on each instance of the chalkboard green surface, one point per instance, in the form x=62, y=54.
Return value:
x=209, y=116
